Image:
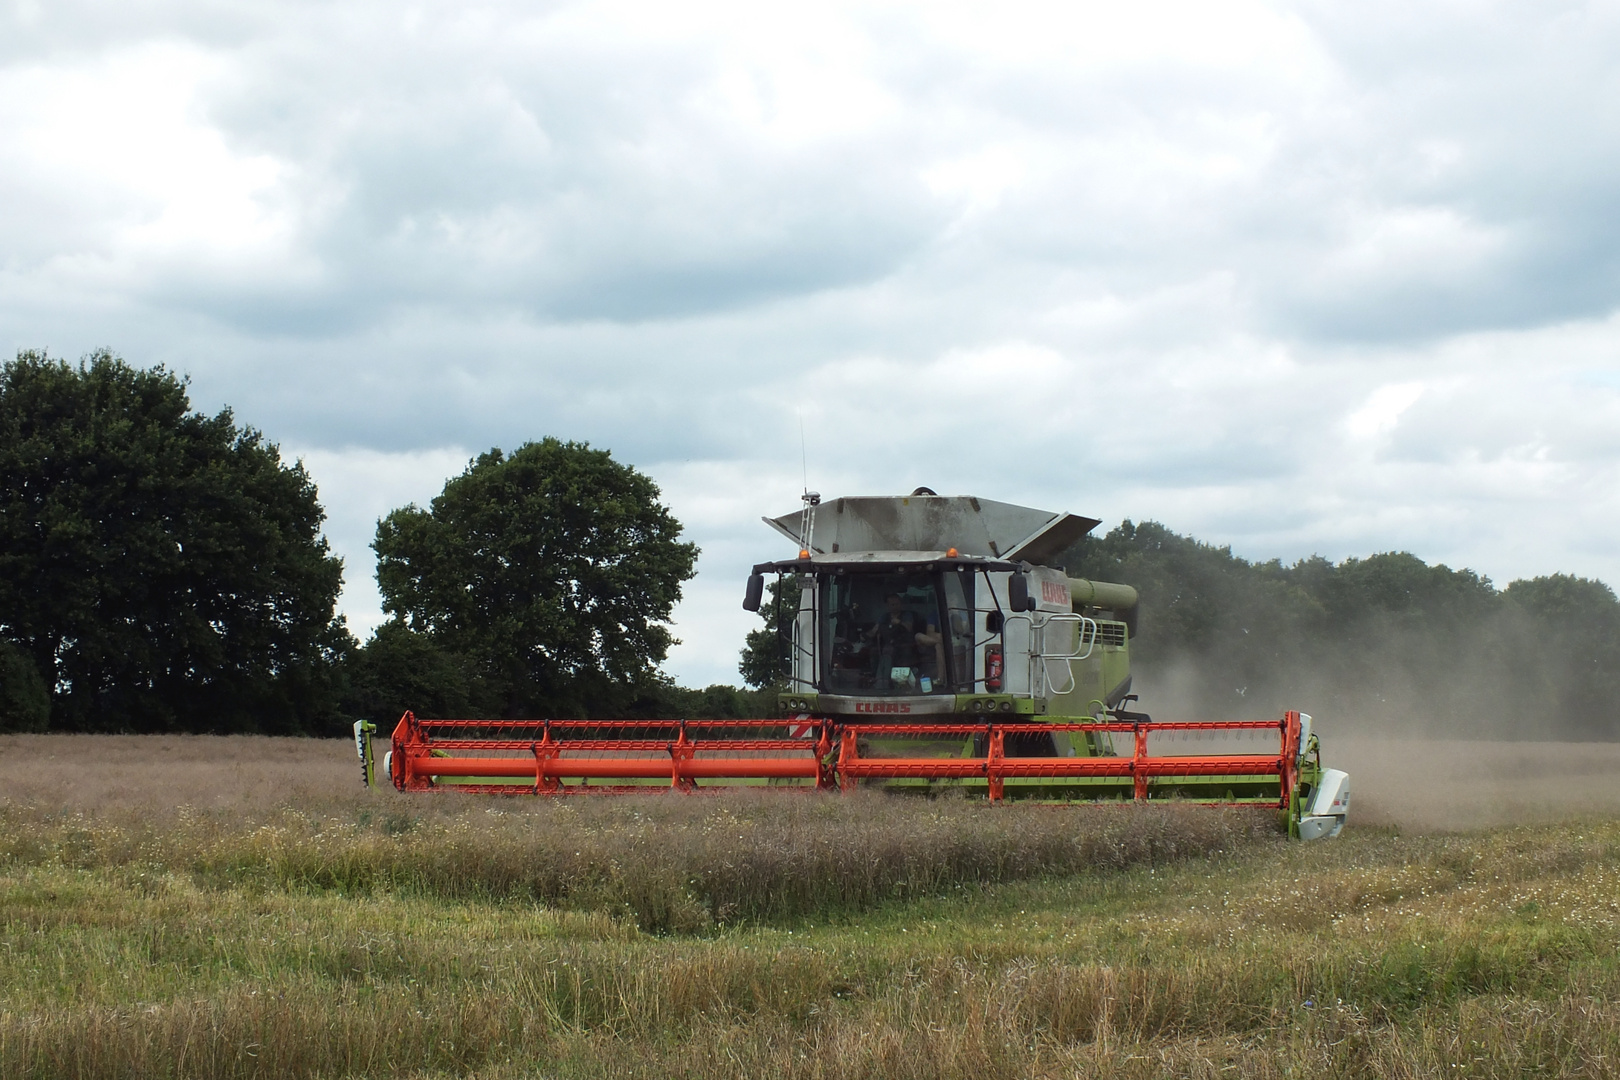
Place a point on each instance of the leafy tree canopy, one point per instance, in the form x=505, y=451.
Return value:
x=159, y=569
x=549, y=574
x=764, y=660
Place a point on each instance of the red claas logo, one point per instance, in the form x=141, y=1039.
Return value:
x=883, y=706
x=1053, y=593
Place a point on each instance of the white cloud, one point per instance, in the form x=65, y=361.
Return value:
x=129, y=174
x=1383, y=409
x=1406, y=245
x=358, y=487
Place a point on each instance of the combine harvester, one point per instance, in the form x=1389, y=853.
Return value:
x=935, y=647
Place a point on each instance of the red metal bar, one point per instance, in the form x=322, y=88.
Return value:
x=688, y=753
x=1003, y=767
x=619, y=744
x=826, y=772
x=545, y=754
x=675, y=768
x=994, y=764
x=592, y=725
x=1289, y=773
x=1138, y=766
x=848, y=753
x=1115, y=726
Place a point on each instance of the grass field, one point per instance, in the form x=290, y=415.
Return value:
x=240, y=907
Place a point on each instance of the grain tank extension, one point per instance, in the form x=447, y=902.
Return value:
x=935, y=643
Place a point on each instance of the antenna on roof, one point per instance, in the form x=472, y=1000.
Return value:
x=811, y=499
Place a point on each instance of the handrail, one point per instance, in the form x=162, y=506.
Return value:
x=1039, y=655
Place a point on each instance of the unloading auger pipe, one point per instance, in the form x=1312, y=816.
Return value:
x=1102, y=594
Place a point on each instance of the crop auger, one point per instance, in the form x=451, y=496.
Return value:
x=932, y=646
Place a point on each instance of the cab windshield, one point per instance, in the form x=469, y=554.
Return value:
x=892, y=634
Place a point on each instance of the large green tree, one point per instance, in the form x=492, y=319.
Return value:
x=549, y=573
x=159, y=569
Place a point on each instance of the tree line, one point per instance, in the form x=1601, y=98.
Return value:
x=164, y=570
x=1387, y=642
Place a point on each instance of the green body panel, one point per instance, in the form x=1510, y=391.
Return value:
x=363, y=732
x=1096, y=682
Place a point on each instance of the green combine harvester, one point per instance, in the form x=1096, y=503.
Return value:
x=934, y=645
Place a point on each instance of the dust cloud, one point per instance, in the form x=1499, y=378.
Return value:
x=1425, y=785
x=1449, y=743
x=1500, y=676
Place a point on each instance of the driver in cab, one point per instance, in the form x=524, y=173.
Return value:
x=898, y=634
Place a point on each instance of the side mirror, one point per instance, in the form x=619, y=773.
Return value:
x=754, y=593
x=1018, y=597
x=992, y=622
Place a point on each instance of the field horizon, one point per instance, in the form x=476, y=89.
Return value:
x=1417, y=784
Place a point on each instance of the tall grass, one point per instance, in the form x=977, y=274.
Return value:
x=796, y=937
x=673, y=864
x=1467, y=955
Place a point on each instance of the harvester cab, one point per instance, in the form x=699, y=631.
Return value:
x=928, y=643
x=927, y=605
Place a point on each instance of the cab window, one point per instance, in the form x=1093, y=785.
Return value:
x=892, y=634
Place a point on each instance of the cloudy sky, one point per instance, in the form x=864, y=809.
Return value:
x=1308, y=278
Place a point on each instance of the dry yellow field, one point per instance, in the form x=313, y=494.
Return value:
x=206, y=908
x=102, y=772
x=1415, y=785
